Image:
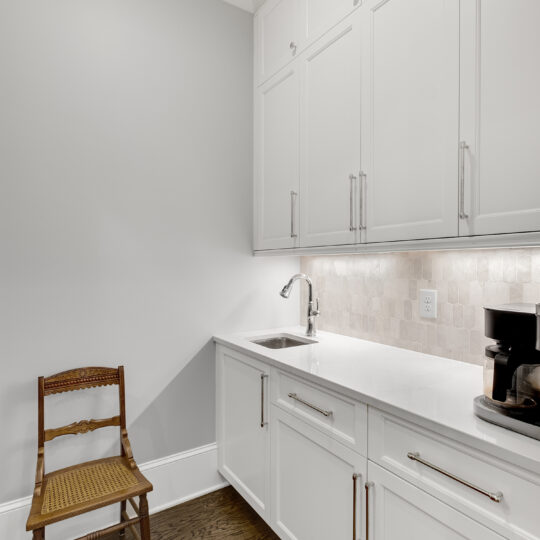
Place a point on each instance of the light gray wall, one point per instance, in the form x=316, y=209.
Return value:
x=125, y=215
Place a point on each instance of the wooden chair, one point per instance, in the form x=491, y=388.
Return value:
x=85, y=487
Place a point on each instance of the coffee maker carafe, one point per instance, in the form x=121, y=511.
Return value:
x=512, y=369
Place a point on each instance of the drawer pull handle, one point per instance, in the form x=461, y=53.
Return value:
x=496, y=497
x=310, y=405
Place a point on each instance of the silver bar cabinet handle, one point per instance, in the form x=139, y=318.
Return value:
x=363, y=178
x=367, y=486
x=355, y=477
x=496, y=497
x=352, y=179
x=293, y=213
x=263, y=422
x=462, y=147
x=310, y=405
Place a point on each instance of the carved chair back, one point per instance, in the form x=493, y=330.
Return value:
x=80, y=379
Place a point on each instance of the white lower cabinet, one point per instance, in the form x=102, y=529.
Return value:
x=315, y=483
x=242, y=428
x=398, y=510
x=296, y=451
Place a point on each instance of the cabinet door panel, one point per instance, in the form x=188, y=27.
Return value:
x=312, y=483
x=277, y=24
x=243, y=449
x=411, y=130
x=320, y=16
x=501, y=115
x=400, y=510
x=330, y=120
x=277, y=161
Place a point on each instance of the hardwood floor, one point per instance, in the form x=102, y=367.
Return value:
x=219, y=515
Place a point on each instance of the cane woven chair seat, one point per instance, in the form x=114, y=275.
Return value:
x=85, y=484
x=89, y=485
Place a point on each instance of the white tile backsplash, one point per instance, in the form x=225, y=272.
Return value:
x=375, y=296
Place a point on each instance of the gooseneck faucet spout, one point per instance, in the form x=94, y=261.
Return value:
x=313, y=307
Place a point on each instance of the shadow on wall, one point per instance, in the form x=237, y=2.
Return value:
x=191, y=390
x=189, y=398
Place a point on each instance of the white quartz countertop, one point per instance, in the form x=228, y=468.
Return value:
x=434, y=392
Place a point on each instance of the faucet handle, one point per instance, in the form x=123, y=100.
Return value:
x=315, y=312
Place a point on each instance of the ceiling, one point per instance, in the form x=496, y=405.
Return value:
x=247, y=5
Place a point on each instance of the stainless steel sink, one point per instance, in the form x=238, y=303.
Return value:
x=281, y=341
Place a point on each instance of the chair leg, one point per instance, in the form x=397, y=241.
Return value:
x=39, y=534
x=122, y=532
x=145, y=519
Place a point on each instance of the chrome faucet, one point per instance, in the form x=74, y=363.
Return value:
x=312, y=311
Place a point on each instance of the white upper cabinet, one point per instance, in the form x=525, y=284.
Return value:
x=320, y=15
x=500, y=120
x=277, y=161
x=279, y=35
x=330, y=138
x=381, y=121
x=410, y=131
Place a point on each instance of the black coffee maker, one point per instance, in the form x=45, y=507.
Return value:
x=512, y=369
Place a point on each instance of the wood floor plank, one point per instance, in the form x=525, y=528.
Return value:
x=220, y=515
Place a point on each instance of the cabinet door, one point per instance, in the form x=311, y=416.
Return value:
x=400, y=510
x=277, y=161
x=410, y=134
x=312, y=483
x=242, y=431
x=330, y=138
x=500, y=116
x=277, y=36
x=319, y=16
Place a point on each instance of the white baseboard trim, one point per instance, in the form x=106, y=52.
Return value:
x=176, y=479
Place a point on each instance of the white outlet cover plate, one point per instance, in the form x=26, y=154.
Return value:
x=428, y=304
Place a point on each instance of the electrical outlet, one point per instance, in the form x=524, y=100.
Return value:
x=428, y=304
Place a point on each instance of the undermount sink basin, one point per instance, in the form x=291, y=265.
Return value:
x=281, y=341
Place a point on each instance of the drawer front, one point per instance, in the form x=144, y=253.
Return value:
x=343, y=419
x=393, y=442
x=401, y=511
